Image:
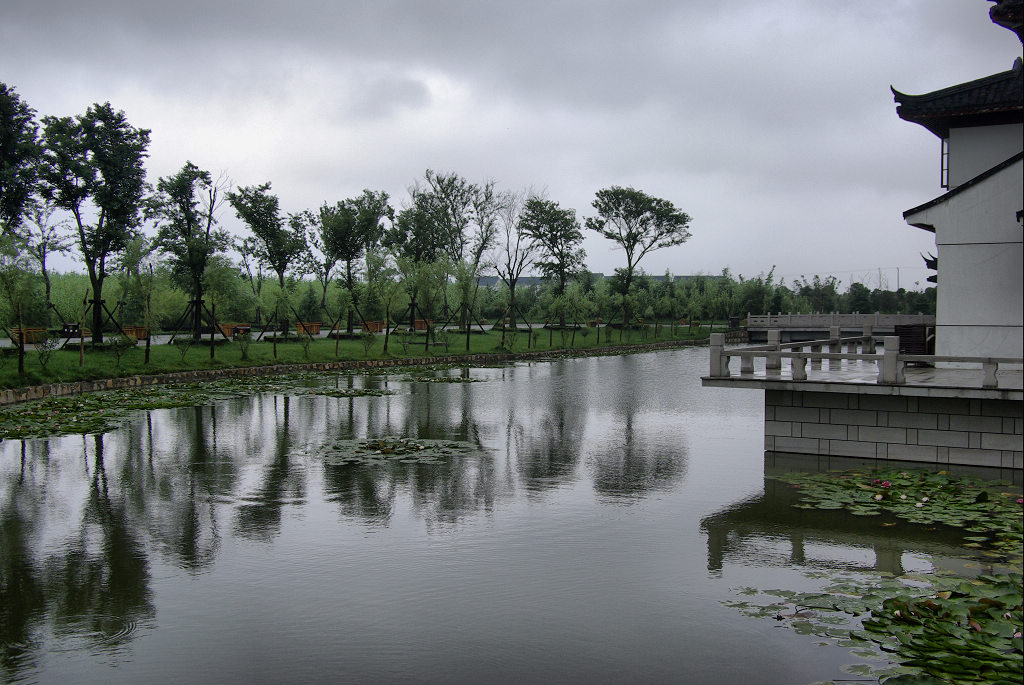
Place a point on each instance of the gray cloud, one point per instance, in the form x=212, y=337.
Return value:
x=770, y=122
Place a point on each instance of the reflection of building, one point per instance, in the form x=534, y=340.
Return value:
x=977, y=223
x=768, y=531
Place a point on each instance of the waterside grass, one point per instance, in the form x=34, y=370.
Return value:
x=63, y=365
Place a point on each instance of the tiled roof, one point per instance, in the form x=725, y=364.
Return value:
x=996, y=99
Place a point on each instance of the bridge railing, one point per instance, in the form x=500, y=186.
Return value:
x=891, y=364
x=824, y=321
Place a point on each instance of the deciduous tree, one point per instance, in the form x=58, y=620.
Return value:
x=557, y=232
x=517, y=249
x=638, y=223
x=46, y=236
x=19, y=154
x=277, y=243
x=93, y=167
x=274, y=243
x=184, y=208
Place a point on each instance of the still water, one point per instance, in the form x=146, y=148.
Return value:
x=598, y=513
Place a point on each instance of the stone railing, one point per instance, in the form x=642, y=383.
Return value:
x=891, y=364
x=825, y=321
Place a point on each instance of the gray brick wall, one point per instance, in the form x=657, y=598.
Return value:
x=933, y=430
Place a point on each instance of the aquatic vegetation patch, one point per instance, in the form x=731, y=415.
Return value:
x=916, y=628
x=101, y=411
x=925, y=628
x=989, y=511
x=385, y=450
x=442, y=379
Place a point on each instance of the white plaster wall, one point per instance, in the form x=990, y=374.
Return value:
x=975, y=149
x=980, y=308
x=980, y=284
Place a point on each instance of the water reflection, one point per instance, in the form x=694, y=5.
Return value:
x=93, y=585
x=767, y=530
x=94, y=529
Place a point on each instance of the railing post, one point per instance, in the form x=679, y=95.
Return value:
x=990, y=369
x=890, y=371
x=834, y=346
x=719, y=362
x=868, y=344
x=773, y=361
x=746, y=364
x=799, y=367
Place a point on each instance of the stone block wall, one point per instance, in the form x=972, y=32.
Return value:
x=939, y=430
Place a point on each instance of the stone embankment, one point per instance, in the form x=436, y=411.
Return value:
x=35, y=392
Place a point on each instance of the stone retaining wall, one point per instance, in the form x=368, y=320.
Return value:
x=948, y=430
x=35, y=392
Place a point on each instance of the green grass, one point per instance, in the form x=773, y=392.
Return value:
x=63, y=365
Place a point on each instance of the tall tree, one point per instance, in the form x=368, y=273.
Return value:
x=19, y=154
x=275, y=244
x=15, y=284
x=557, y=232
x=345, y=232
x=184, y=208
x=418, y=244
x=518, y=248
x=466, y=214
x=44, y=237
x=639, y=223
x=330, y=237
x=92, y=167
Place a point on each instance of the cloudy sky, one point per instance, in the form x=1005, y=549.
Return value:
x=769, y=121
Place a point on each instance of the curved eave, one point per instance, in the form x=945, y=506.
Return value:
x=941, y=123
x=991, y=100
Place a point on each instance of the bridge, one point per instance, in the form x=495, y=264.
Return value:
x=804, y=327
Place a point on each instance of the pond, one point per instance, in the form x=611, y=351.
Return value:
x=576, y=520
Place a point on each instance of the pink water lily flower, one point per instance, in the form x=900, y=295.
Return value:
x=886, y=484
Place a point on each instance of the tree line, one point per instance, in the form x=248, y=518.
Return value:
x=77, y=185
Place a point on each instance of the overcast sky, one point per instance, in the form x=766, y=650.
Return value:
x=770, y=122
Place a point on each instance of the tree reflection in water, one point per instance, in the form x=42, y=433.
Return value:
x=83, y=519
x=95, y=587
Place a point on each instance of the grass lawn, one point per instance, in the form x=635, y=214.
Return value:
x=63, y=365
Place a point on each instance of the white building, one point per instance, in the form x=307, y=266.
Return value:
x=977, y=223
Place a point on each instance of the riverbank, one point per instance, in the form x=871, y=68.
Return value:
x=10, y=396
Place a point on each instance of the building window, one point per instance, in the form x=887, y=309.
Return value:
x=944, y=173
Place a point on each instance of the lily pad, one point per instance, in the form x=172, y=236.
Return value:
x=380, y=451
x=101, y=411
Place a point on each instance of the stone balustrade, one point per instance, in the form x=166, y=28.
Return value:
x=820, y=321
x=890, y=362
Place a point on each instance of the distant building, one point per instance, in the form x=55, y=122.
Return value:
x=977, y=222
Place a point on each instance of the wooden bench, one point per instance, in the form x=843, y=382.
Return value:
x=137, y=332
x=31, y=334
x=234, y=330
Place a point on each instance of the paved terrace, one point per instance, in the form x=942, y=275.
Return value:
x=822, y=366
x=883, y=406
